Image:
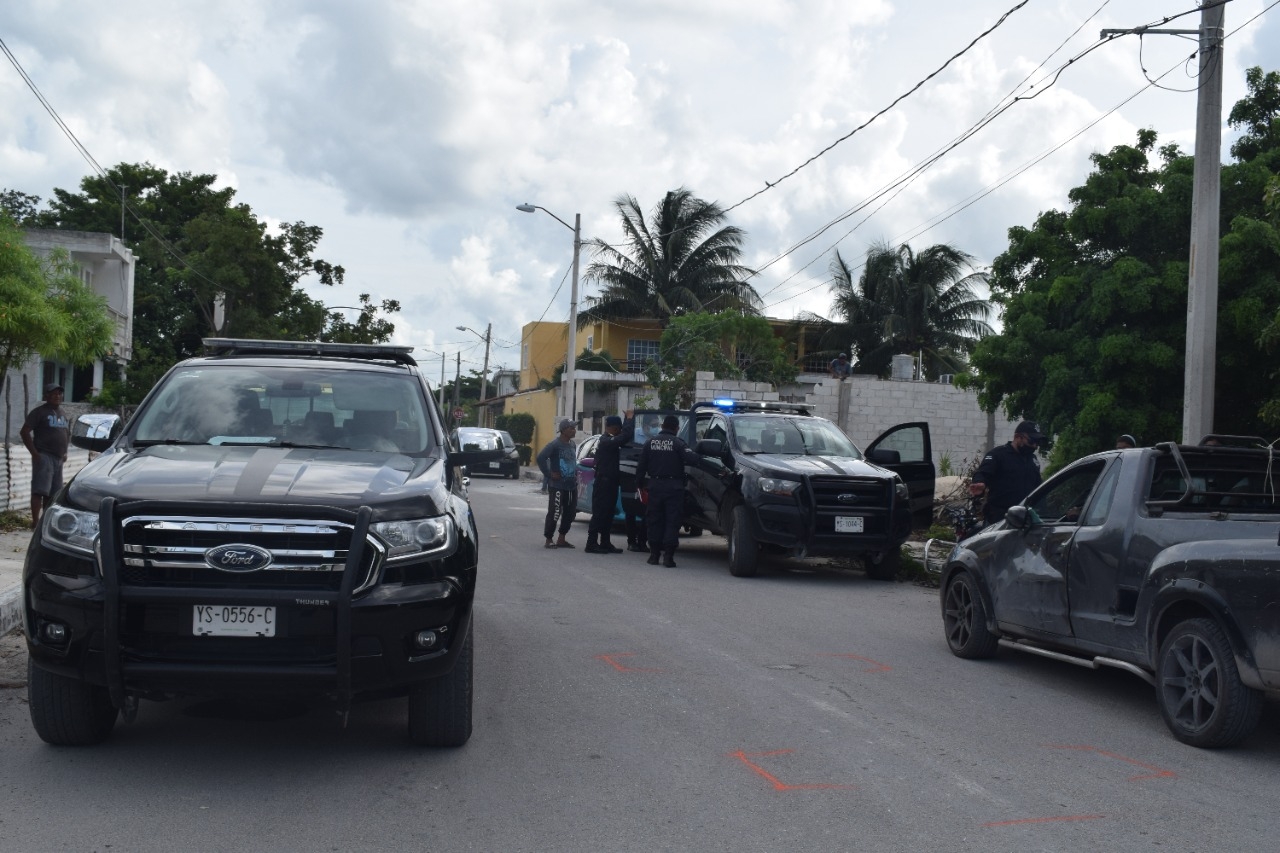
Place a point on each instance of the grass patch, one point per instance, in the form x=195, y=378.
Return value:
x=11, y=521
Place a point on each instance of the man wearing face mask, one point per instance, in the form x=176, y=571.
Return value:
x=1009, y=472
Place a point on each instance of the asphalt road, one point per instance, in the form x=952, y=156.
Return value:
x=622, y=706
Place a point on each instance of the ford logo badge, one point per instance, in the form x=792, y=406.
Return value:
x=847, y=498
x=238, y=558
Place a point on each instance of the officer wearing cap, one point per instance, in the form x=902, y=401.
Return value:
x=1126, y=442
x=46, y=434
x=661, y=468
x=604, y=489
x=1009, y=472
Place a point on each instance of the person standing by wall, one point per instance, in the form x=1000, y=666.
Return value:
x=662, y=461
x=839, y=368
x=46, y=434
x=558, y=461
x=604, y=490
x=1008, y=473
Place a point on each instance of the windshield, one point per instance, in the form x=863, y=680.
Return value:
x=287, y=406
x=792, y=436
x=479, y=439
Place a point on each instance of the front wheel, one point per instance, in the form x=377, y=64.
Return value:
x=440, y=709
x=66, y=711
x=883, y=567
x=1201, y=696
x=744, y=552
x=964, y=619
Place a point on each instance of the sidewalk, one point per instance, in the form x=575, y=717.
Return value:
x=13, y=550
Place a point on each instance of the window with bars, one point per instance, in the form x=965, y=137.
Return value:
x=640, y=353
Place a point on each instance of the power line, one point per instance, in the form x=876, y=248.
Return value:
x=770, y=185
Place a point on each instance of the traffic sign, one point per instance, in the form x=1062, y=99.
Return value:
x=459, y=413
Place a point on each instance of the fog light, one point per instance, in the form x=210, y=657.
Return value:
x=54, y=632
x=425, y=639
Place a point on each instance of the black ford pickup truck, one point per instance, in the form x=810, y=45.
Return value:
x=278, y=518
x=1162, y=561
x=803, y=488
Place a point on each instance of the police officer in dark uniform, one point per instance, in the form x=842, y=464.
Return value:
x=661, y=468
x=1008, y=473
x=604, y=486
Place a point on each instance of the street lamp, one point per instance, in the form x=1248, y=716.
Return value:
x=484, y=376
x=571, y=402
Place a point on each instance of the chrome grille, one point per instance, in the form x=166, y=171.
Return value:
x=305, y=554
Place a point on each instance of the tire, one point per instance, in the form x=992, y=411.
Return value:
x=964, y=619
x=440, y=709
x=883, y=567
x=744, y=552
x=68, y=712
x=1201, y=696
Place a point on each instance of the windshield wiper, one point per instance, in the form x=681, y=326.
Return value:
x=149, y=442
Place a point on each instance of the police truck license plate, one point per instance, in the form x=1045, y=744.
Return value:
x=233, y=620
x=848, y=524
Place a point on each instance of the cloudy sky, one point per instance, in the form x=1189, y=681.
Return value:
x=410, y=130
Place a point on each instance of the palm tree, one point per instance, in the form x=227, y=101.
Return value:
x=908, y=303
x=681, y=260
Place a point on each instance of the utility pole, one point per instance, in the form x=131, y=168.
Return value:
x=1202, y=283
x=440, y=390
x=484, y=377
x=457, y=383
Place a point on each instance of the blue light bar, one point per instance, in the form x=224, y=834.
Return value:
x=726, y=402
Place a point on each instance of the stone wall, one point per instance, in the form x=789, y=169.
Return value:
x=865, y=406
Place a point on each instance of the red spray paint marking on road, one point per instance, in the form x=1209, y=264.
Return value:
x=620, y=667
x=779, y=785
x=1156, y=772
x=879, y=667
x=1045, y=819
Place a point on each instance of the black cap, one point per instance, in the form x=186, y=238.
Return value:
x=51, y=387
x=1127, y=439
x=1031, y=429
x=671, y=422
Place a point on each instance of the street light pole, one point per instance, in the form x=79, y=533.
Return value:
x=569, y=400
x=484, y=376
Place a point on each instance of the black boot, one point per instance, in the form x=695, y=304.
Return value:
x=669, y=559
x=606, y=547
x=653, y=556
x=637, y=545
x=592, y=547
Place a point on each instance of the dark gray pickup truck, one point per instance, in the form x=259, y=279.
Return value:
x=1162, y=561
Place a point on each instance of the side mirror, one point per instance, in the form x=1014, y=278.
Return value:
x=709, y=447
x=885, y=457
x=1020, y=518
x=95, y=432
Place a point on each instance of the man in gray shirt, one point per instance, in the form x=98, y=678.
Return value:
x=46, y=435
x=559, y=462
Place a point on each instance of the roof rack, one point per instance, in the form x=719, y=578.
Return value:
x=368, y=352
x=724, y=404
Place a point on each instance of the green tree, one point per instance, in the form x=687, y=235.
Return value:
x=195, y=247
x=729, y=344
x=908, y=302
x=45, y=308
x=1096, y=297
x=367, y=328
x=682, y=259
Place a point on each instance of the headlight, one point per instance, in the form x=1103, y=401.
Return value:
x=773, y=486
x=70, y=530
x=416, y=537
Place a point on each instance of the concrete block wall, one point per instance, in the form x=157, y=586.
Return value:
x=865, y=406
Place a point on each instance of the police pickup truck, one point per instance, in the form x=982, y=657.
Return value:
x=803, y=488
x=277, y=519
